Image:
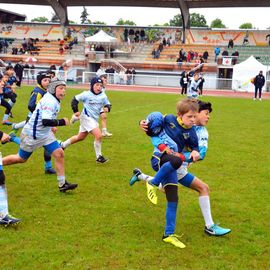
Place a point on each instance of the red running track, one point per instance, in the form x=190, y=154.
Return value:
x=174, y=90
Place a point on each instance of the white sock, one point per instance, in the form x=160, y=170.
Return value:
x=145, y=177
x=66, y=143
x=18, y=125
x=204, y=202
x=61, y=180
x=97, y=147
x=104, y=129
x=10, y=103
x=3, y=202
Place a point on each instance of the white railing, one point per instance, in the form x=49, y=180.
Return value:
x=211, y=81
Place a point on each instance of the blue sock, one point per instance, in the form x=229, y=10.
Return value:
x=164, y=171
x=3, y=202
x=48, y=165
x=171, y=212
x=15, y=139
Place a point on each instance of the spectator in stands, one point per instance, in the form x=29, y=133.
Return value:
x=137, y=36
x=181, y=53
x=131, y=34
x=18, y=68
x=259, y=82
x=53, y=67
x=154, y=53
x=133, y=72
x=126, y=35
x=268, y=37
x=184, y=80
x=110, y=71
x=235, y=57
x=179, y=61
x=164, y=42
x=217, y=52
x=26, y=71
x=128, y=76
x=245, y=41
x=225, y=53
x=168, y=42
x=24, y=45
x=205, y=56
x=32, y=71
x=21, y=51
x=122, y=77
x=5, y=46
x=200, y=87
x=142, y=35
x=157, y=54
x=230, y=44
x=14, y=51
x=160, y=47
x=61, y=50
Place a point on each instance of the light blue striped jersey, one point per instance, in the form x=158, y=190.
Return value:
x=202, y=135
x=47, y=108
x=192, y=91
x=92, y=104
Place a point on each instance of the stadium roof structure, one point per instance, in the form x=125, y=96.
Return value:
x=9, y=16
x=60, y=6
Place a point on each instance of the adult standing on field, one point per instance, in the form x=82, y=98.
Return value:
x=259, y=82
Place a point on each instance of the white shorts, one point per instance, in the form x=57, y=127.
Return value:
x=182, y=171
x=88, y=124
x=29, y=144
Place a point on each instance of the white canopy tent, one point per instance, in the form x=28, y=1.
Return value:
x=244, y=72
x=101, y=37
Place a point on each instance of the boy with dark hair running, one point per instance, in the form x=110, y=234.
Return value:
x=93, y=101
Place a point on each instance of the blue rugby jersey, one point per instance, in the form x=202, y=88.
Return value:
x=183, y=137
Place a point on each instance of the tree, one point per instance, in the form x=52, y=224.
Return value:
x=197, y=20
x=176, y=20
x=125, y=22
x=40, y=19
x=246, y=26
x=84, y=16
x=98, y=22
x=217, y=23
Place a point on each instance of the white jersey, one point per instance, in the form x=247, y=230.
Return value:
x=92, y=104
x=47, y=108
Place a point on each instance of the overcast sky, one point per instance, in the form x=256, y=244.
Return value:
x=231, y=17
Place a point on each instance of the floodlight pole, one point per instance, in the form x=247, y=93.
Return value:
x=185, y=18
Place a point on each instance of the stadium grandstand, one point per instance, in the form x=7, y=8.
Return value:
x=149, y=50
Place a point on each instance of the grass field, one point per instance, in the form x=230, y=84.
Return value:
x=106, y=224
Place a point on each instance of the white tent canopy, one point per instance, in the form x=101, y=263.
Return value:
x=101, y=37
x=244, y=72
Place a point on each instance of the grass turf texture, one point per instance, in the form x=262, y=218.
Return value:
x=106, y=224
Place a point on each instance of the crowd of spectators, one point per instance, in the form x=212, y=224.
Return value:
x=134, y=35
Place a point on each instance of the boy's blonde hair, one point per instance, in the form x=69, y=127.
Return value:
x=186, y=105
